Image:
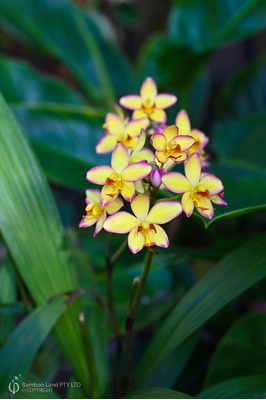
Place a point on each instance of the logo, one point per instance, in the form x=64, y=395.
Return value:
x=13, y=385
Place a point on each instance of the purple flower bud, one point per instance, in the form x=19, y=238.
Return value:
x=156, y=178
x=160, y=128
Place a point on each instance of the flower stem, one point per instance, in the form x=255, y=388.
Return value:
x=132, y=311
x=171, y=198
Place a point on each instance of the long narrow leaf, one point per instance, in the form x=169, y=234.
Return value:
x=33, y=234
x=231, y=276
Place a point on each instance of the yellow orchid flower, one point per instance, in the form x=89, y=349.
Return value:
x=144, y=228
x=149, y=104
x=120, y=131
x=120, y=177
x=96, y=213
x=139, y=153
x=169, y=144
x=200, y=190
x=201, y=140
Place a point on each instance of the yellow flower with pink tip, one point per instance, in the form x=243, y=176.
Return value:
x=201, y=140
x=149, y=104
x=120, y=177
x=120, y=131
x=96, y=213
x=200, y=190
x=170, y=145
x=144, y=228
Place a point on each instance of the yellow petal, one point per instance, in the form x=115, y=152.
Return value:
x=87, y=222
x=99, y=224
x=136, y=171
x=162, y=158
x=140, y=144
x=132, y=102
x=121, y=222
x=183, y=123
x=114, y=124
x=139, y=114
x=206, y=209
x=108, y=195
x=99, y=174
x=165, y=100
x=193, y=169
x=106, y=144
x=148, y=89
x=139, y=186
x=143, y=155
x=120, y=158
x=128, y=191
x=185, y=142
x=140, y=206
x=133, y=128
x=136, y=241
x=158, y=141
x=176, y=182
x=114, y=206
x=187, y=204
x=159, y=237
x=170, y=132
x=93, y=195
x=163, y=212
x=212, y=184
x=158, y=115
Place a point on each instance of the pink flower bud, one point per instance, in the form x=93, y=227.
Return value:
x=156, y=178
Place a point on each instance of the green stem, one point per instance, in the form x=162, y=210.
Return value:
x=119, y=252
x=132, y=311
x=89, y=361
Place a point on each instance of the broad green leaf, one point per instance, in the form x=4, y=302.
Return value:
x=244, y=190
x=204, y=25
x=169, y=370
x=249, y=387
x=242, y=140
x=33, y=234
x=7, y=296
x=241, y=352
x=76, y=41
x=21, y=83
x=64, y=138
x=157, y=393
x=225, y=281
x=18, y=352
x=245, y=94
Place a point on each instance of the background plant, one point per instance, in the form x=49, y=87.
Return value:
x=194, y=305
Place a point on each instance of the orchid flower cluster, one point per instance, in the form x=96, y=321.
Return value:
x=138, y=174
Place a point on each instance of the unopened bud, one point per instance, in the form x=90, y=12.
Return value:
x=156, y=178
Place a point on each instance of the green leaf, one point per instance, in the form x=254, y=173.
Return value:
x=244, y=190
x=241, y=352
x=21, y=83
x=249, y=387
x=157, y=393
x=32, y=232
x=244, y=94
x=242, y=140
x=230, y=277
x=64, y=138
x=204, y=25
x=76, y=41
x=7, y=296
x=17, y=354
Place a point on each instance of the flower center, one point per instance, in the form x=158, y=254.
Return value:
x=94, y=210
x=116, y=181
x=145, y=228
x=148, y=106
x=172, y=150
x=125, y=139
x=197, y=193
